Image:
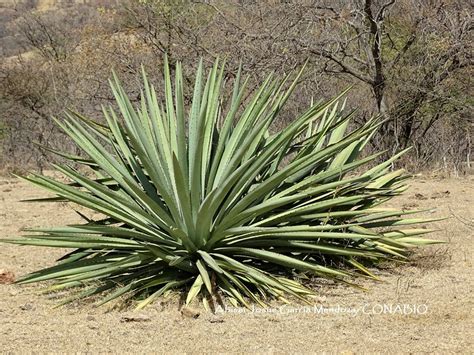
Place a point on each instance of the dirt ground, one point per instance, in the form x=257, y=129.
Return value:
x=428, y=302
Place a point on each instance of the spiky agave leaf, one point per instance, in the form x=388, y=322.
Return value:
x=212, y=201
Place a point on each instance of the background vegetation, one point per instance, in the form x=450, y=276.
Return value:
x=408, y=60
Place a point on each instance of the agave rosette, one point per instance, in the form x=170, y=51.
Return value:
x=208, y=199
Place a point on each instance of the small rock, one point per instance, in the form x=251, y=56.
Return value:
x=440, y=194
x=90, y=318
x=26, y=307
x=190, y=312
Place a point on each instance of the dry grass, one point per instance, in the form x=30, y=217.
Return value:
x=439, y=277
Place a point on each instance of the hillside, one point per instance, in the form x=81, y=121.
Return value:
x=12, y=10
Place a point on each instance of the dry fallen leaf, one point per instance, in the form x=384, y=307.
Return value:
x=135, y=318
x=6, y=277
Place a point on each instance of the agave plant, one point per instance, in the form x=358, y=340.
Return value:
x=211, y=200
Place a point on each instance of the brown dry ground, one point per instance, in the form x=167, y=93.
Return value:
x=438, y=277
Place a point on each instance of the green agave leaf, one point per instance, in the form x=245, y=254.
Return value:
x=195, y=289
x=284, y=260
x=205, y=276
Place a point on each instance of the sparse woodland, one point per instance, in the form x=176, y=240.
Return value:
x=409, y=61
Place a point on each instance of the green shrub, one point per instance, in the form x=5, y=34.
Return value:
x=210, y=201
